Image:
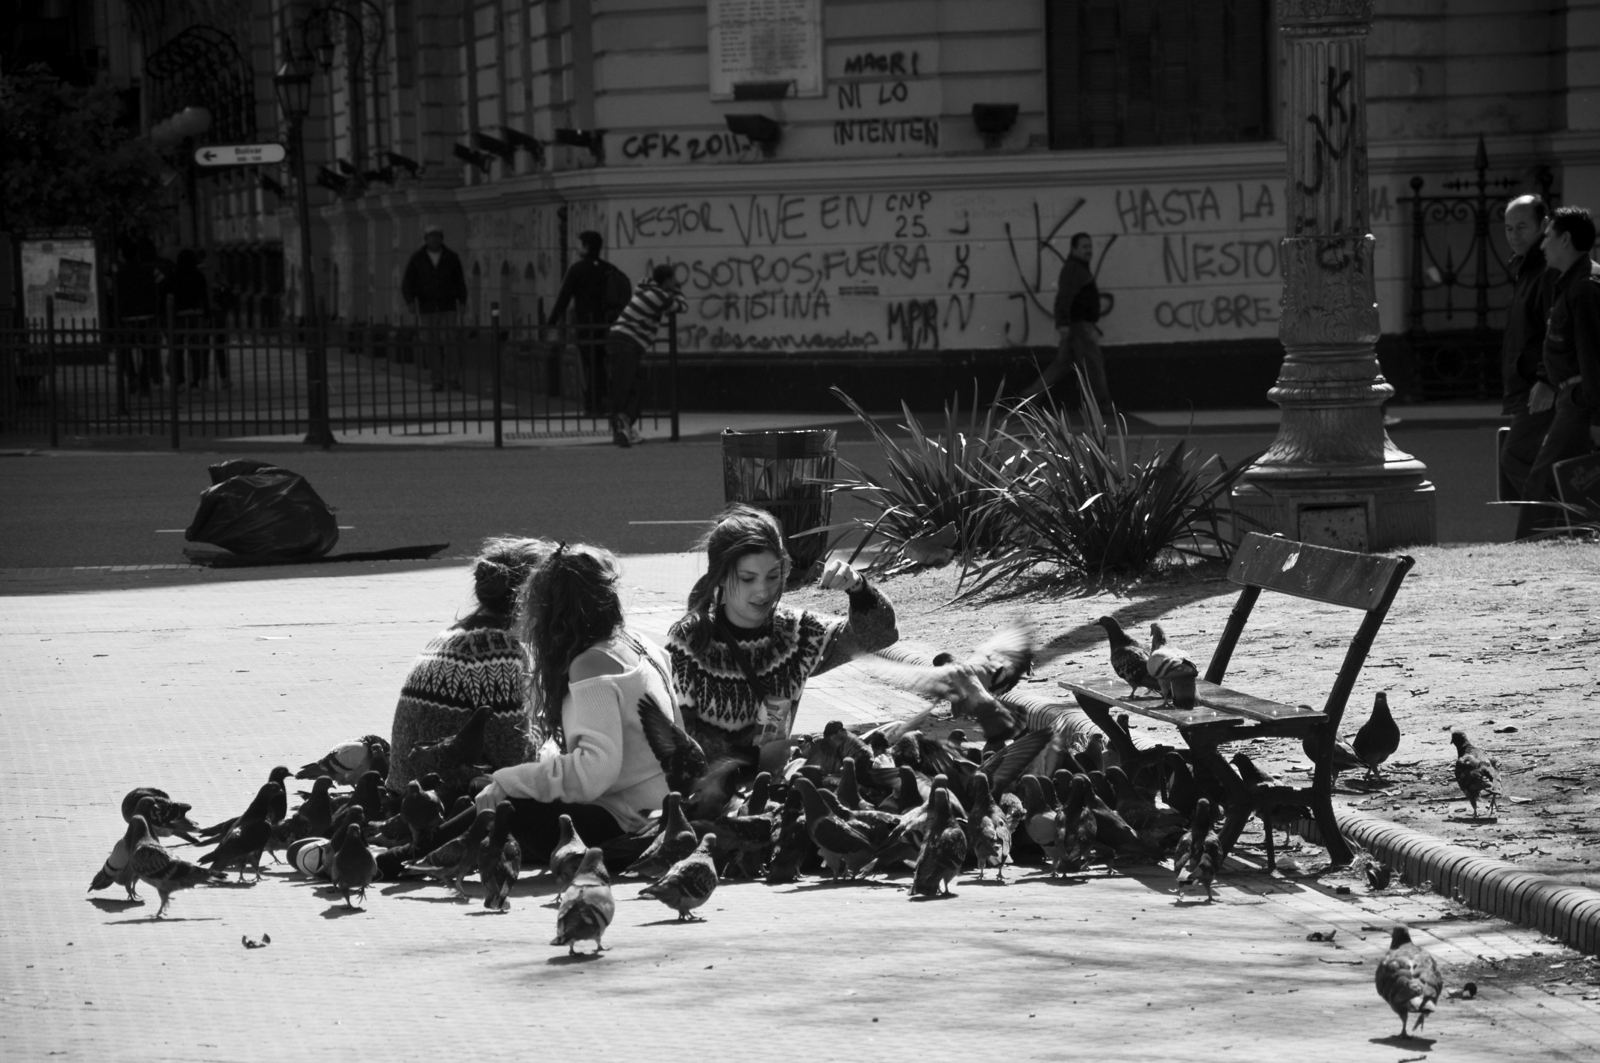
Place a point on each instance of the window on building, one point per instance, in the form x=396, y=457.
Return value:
x=1125, y=73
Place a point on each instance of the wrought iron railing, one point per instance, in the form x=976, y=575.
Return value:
x=1460, y=280
x=188, y=378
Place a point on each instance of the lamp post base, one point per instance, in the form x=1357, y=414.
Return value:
x=1343, y=511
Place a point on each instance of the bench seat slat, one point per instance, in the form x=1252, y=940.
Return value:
x=1111, y=690
x=1213, y=704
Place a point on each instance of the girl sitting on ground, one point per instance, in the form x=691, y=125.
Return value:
x=741, y=659
x=478, y=660
x=598, y=686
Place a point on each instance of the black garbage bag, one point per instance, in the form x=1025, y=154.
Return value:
x=263, y=511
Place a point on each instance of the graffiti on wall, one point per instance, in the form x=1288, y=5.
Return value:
x=923, y=269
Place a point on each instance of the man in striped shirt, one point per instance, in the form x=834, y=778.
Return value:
x=631, y=335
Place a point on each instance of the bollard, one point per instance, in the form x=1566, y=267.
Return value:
x=174, y=359
x=50, y=365
x=672, y=370
x=494, y=356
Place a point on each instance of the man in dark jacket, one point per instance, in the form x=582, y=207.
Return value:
x=1529, y=398
x=585, y=288
x=435, y=289
x=1077, y=309
x=188, y=296
x=1571, y=363
x=139, y=313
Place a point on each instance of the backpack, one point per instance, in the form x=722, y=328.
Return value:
x=619, y=292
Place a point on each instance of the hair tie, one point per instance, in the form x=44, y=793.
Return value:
x=559, y=549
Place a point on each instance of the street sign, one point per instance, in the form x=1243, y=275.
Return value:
x=239, y=154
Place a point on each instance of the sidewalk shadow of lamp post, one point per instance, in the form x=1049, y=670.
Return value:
x=293, y=85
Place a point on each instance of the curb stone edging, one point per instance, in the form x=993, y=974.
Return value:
x=1565, y=911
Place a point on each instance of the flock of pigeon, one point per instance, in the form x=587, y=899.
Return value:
x=890, y=800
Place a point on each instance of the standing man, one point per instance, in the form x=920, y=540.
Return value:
x=629, y=338
x=1529, y=398
x=1571, y=363
x=139, y=310
x=597, y=292
x=1077, y=309
x=435, y=289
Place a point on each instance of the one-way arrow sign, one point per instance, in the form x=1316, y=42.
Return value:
x=239, y=154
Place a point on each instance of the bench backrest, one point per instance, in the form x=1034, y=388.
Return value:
x=1305, y=570
x=1367, y=582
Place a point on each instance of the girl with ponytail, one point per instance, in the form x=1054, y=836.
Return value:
x=477, y=661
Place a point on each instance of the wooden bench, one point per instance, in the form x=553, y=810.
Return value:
x=1367, y=582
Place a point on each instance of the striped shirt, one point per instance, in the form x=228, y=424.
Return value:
x=641, y=318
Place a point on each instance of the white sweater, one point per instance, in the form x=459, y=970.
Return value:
x=608, y=761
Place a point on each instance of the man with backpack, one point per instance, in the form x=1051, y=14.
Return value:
x=597, y=292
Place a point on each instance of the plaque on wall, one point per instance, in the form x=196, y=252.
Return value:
x=765, y=49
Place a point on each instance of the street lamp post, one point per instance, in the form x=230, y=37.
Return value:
x=1332, y=476
x=293, y=86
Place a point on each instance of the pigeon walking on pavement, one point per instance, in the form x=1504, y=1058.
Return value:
x=353, y=867
x=245, y=841
x=944, y=849
x=500, y=861
x=569, y=853
x=457, y=858
x=689, y=883
x=277, y=807
x=587, y=907
x=666, y=849
x=118, y=867
x=160, y=869
x=1409, y=980
x=1378, y=738
x=1477, y=773
x=348, y=761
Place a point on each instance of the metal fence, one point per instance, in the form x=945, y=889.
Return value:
x=1459, y=277
x=495, y=382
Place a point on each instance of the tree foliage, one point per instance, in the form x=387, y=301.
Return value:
x=67, y=161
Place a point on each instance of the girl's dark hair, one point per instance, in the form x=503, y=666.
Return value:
x=503, y=566
x=740, y=531
x=663, y=273
x=567, y=605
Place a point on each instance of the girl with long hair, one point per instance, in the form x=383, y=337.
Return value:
x=741, y=658
x=478, y=660
x=600, y=689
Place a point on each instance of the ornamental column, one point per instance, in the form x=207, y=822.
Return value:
x=1332, y=476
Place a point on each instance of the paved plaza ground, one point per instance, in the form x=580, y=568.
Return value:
x=120, y=666
x=199, y=682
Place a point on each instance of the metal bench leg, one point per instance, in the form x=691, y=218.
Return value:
x=1322, y=811
x=1240, y=805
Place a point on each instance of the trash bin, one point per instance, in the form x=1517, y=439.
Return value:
x=777, y=472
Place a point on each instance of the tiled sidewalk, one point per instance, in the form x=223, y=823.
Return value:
x=199, y=684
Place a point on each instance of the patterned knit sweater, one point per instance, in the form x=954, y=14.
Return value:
x=458, y=671
x=721, y=700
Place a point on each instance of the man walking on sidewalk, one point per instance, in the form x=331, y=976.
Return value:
x=1571, y=363
x=1077, y=309
x=435, y=289
x=1529, y=397
x=629, y=338
x=598, y=292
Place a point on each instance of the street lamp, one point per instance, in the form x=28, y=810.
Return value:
x=293, y=86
